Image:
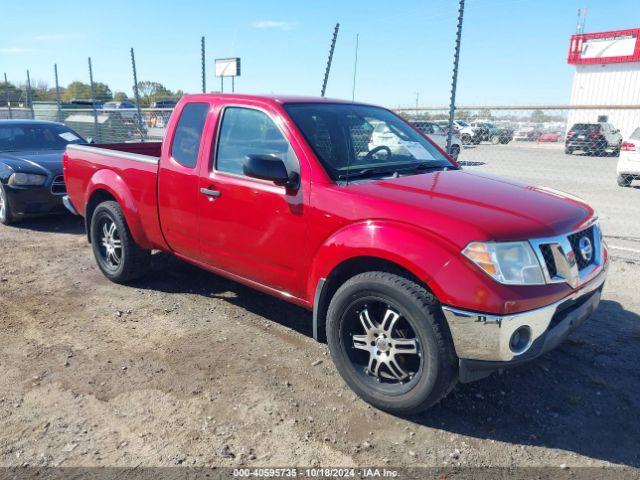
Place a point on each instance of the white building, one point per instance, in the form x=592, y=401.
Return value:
x=607, y=76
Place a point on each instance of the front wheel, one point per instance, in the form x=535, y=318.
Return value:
x=466, y=139
x=495, y=139
x=455, y=151
x=390, y=342
x=120, y=259
x=568, y=150
x=6, y=216
x=624, y=180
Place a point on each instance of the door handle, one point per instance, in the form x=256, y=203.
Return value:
x=210, y=193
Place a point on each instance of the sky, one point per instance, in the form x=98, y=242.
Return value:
x=513, y=51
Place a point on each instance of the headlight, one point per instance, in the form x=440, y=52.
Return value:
x=512, y=263
x=25, y=179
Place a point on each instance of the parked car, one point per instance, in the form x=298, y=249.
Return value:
x=490, y=132
x=128, y=111
x=468, y=134
x=629, y=162
x=160, y=113
x=593, y=138
x=527, y=134
x=439, y=135
x=31, y=181
x=550, y=137
x=85, y=103
x=420, y=273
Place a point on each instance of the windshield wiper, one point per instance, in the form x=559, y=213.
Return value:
x=367, y=172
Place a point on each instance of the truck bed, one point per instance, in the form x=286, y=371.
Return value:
x=134, y=166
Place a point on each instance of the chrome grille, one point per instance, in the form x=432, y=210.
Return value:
x=562, y=260
x=574, y=240
x=58, y=186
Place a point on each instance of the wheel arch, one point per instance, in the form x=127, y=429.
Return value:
x=106, y=185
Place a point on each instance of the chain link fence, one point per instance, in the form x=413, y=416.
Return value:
x=570, y=149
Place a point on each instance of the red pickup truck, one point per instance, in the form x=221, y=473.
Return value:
x=419, y=273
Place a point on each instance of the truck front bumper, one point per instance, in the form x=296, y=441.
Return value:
x=485, y=342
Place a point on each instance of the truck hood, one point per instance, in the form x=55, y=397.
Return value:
x=47, y=162
x=463, y=206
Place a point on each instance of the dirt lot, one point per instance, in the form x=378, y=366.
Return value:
x=186, y=368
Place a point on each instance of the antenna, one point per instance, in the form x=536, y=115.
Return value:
x=582, y=20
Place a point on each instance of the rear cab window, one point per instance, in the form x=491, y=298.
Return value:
x=188, y=135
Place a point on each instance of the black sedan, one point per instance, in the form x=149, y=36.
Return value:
x=31, y=181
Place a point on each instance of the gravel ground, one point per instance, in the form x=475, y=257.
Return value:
x=186, y=368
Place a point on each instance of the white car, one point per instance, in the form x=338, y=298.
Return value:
x=629, y=161
x=468, y=134
x=439, y=136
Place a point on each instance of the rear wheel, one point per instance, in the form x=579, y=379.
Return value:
x=6, y=217
x=390, y=342
x=568, y=150
x=495, y=139
x=465, y=138
x=119, y=257
x=624, y=180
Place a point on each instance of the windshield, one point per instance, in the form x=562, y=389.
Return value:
x=636, y=134
x=36, y=137
x=362, y=141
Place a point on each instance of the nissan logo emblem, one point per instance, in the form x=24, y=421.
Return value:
x=586, y=249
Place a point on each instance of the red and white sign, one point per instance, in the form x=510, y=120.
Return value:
x=619, y=46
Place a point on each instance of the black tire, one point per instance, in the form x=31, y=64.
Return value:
x=504, y=141
x=616, y=151
x=494, y=140
x=455, y=151
x=568, y=150
x=466, y=139
x=434, y=372
x=624, y=180
x=6, y=215
x=133, y=261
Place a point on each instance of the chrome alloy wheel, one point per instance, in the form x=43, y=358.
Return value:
x=384, y=344
x=3, y=205
x=111, y=245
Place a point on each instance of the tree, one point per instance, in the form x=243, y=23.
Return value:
x=120, y=96
x=15, y=93
x=539, y=116
x=153, y=91
x=83, y=90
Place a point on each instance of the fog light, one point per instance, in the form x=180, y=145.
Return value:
x=520, y=340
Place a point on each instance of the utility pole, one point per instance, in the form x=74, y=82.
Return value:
x=328, y=69
x=204, y=69
x=454, y=80
x=6, y=85
x=136, y=93
x=355, y=68
x=417, y=102
x=58, y=102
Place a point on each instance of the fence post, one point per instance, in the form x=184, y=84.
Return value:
x=6, y=84
x=58, y=102
x=454, y=80
x=29, y=99
x=326, y=72
x=136, y=93
x=93, y=104
x=204, y=70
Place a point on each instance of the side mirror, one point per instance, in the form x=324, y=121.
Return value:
x=272, y=168
x=90, y=140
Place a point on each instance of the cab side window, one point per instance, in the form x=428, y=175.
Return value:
x=245, y=131
x=186, y=141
